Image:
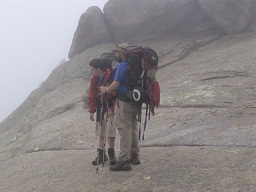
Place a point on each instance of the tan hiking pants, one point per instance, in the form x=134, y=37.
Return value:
x=127, y=124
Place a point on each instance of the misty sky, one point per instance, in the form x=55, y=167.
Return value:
x=35, y=35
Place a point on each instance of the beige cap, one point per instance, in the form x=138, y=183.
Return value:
x=122, y=47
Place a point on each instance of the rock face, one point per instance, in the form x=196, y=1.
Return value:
x=133, y=19
x=148, y=19
x=205, y=122
x=232, y=16
x=92, y=30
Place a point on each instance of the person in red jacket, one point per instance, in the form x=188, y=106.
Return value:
x=101, y=76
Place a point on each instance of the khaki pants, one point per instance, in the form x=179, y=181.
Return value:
x=111, y=129
x=127, y=124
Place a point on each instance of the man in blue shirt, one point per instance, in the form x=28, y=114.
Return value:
x=125, y=113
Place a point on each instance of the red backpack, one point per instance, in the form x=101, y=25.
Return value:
x=153, y=94
x=142, y=66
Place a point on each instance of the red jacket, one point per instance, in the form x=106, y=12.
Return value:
x=94, y=92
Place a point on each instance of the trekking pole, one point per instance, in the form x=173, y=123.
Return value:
x=105, y=131
x=139, y=119
x=139, y=130
x=98, y=155
x=101, y=118
x=97, y=168
x=145, y=122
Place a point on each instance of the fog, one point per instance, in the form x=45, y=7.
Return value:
x=35, y=35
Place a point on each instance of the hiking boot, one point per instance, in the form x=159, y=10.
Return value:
x=111, y=156
x=121, y=166
x=134, y=158
x=134, y=161
x=100, y=155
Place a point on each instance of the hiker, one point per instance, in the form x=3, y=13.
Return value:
x=100, y=76
x=125, y=114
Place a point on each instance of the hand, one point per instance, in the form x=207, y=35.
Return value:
x=92, y=117
x=102, y=89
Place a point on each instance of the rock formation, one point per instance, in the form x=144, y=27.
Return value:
x=230, y=15
x=202, y=137
x=139, y=19
x=91, y=30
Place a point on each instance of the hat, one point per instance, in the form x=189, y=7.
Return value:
x=122, y=47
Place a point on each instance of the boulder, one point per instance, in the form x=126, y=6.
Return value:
x=136, y=18
x=91, y=30
x=231, y=16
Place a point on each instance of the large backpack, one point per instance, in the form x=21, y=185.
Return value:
x=109, y=62
x=107, y=59
x=142, y=63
